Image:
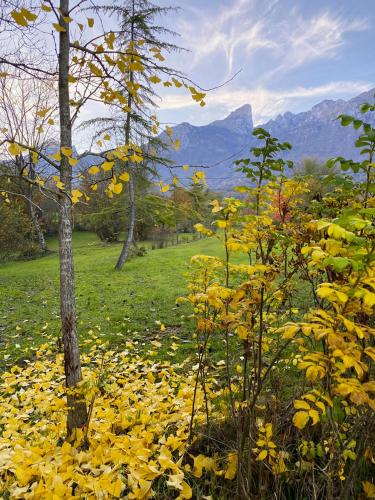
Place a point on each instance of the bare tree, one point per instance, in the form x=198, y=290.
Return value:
x=20, y=100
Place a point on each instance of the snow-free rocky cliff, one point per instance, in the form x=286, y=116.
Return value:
x=314, y=133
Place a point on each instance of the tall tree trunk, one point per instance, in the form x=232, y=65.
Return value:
x=38, y=230
x=34, y=216
x=77, y=412
x=130, y=236
x=175, y=215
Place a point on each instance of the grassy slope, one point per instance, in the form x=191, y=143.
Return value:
x=119, y=306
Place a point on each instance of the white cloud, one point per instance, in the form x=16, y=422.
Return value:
x=304, y=40
x=237, y=32
x=226, y=31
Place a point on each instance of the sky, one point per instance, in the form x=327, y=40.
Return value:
x=290, y=55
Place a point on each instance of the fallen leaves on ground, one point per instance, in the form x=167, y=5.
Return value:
x=137, y=435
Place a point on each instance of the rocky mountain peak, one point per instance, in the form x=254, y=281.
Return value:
x=239, y=121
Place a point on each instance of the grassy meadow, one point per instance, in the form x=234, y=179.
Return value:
x=131, y=305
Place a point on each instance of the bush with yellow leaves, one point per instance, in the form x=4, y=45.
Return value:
x=284, y=428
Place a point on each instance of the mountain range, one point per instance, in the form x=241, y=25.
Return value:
x=314, y=133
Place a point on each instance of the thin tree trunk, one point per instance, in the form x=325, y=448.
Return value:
x=175, y=215
x=38, y=230
x=130, y=236
x=77, y=412
x=34, y=217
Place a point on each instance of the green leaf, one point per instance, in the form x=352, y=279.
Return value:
x=346, y=120
x=339, y=264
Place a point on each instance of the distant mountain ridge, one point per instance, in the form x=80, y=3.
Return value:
x=314, y=133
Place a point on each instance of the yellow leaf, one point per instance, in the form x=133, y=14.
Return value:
x=370, y=351
x=59, y=28
x=186, y=491
x=301, y=405
x=76, y=193
x=314, y=416
x=72, y=162
x=216, y=207
x=202, y=462
x=46, y=7
x=242, y=332
x=19, y=18
x=125, y=177
x=177, y=83
x=94, y=69
x=71, y=79
x=175, y=480
x=14, y=149
x=314, y=372
x=117, y=188
x=231, y=471
x=107, y=165
x=50, y=121
x=56, y=156
x=262, y=455
x=28, y=15
x=300, y=419
x=42, y=113
x=159, y=56
x=185, y=167
x=93, y=170
x=136, y=158
x=222, y=224
x=107, y=137
x=66, y=151
x=113, y=488
x=289, y=331
x=90, y=22
x=199, y=177
x=369, y=298
x=369, y=489
x=109, y=39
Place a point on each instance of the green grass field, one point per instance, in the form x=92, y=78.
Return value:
x=118, y=306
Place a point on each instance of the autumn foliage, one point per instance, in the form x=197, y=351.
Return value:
x=287, y=303
x=301, y=392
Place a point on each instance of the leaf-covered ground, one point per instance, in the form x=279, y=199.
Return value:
x=138, y=431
